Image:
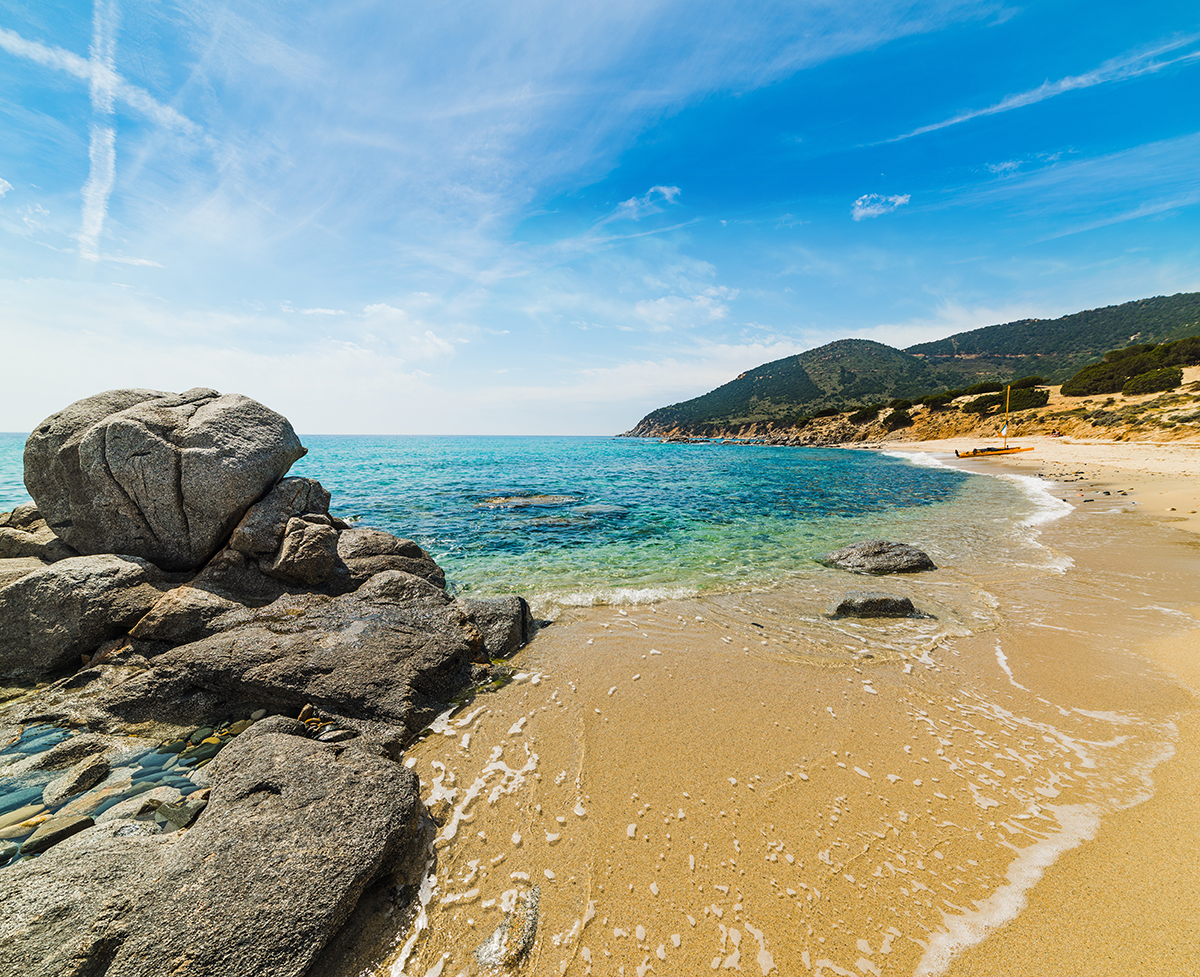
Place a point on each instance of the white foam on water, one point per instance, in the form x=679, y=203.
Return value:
x=1002, y=660
x=1079, y=823
x=922, y=459
x=605, y=596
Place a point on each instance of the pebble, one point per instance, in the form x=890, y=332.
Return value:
x=201, y=734
x=52, y=832
x=7, y=850
x=24, y=828
x=21, y=814
x=240, y=727
x=257, y=715
x=336, y=735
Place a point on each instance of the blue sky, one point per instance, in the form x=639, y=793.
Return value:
x=551, y=218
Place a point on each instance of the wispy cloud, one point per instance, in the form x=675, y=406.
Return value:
x=1132, y=65
x=86, y=69
x=876, y=205
x=5, y=186
x=102, y=172
x=635, y=208
x=322, y=311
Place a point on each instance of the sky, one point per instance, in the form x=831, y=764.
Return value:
x=541, y=217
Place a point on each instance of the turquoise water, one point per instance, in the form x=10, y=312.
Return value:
x=587, y=520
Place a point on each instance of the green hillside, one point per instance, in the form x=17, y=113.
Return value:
x=1058, y=348
x=854, y=372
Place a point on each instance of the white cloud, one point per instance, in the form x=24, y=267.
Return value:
x=635, y=208
x=5, y=186
x=1126, y=66
x=321, y=311
x=876, y=204
x=679, y=312
x=411, y=338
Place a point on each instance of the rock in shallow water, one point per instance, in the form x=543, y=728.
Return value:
x=879, y=556
x=51, y=832
x=872, y=604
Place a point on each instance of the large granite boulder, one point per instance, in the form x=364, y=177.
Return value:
x=260, y=531
x=50, y=617
x=879, y=556
x=158, y=475
x=293, y=833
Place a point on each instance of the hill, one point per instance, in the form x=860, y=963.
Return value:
x=853, y=372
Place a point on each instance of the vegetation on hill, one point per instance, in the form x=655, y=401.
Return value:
x=1122, y=366
x=1057, y=348
x=868, y=376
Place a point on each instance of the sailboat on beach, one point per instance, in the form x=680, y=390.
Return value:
x=1005, y=450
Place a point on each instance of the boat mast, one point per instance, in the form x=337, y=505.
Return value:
x=1007, y=398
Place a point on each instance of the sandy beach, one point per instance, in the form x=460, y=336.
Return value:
x=695, y=786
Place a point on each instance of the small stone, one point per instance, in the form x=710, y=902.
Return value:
x=212, y=739
x=307, y=712
x=140, y=806
x=20, y=814
x=257, y=715
x=336, y=735
x=25, y=827
x=200, y=735
x=52, y=832
x=83, y=776
x=240, y=726
x=7, y=850
x=206, y=751
x=173, y=746
x=182, y=814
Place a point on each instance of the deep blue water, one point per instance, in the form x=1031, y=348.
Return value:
x=630, y=517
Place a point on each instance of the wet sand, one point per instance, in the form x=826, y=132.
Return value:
x=704, y=785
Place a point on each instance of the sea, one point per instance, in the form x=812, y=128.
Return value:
x=571, y=521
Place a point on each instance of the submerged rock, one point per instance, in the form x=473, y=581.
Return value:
x=871, y=604
x=158, y=475
x=879, y=556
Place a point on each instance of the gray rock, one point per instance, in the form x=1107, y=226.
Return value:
x=14, y=568
x=8, y=850
x=85, y=775
x=280, y=725
x=162, y=476
x=50, y=833
x=181, y=615
x=24, y=533
x=261, y=530
x=25, y=516
x=308, y=554
x=64, y=754
x=504, y=622
x=879, y=556
x=366, y=552
x=871, y=604
x=293, y=834
x=237, y=577
x=51, y=617
x=350, y=657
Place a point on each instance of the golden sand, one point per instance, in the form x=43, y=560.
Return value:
x=694, y=786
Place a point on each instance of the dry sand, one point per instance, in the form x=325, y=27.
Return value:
x=690, y=790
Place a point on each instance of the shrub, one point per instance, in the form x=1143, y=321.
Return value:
x=1167, y=378
x=900, y=404
x=897, y=419
x=864, y=414
x=936, y=401
x=984, y=388
x=827, y=412
x=1026, y=398
x=1026, y=382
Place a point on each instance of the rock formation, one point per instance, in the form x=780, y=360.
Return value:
x=233, y=673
